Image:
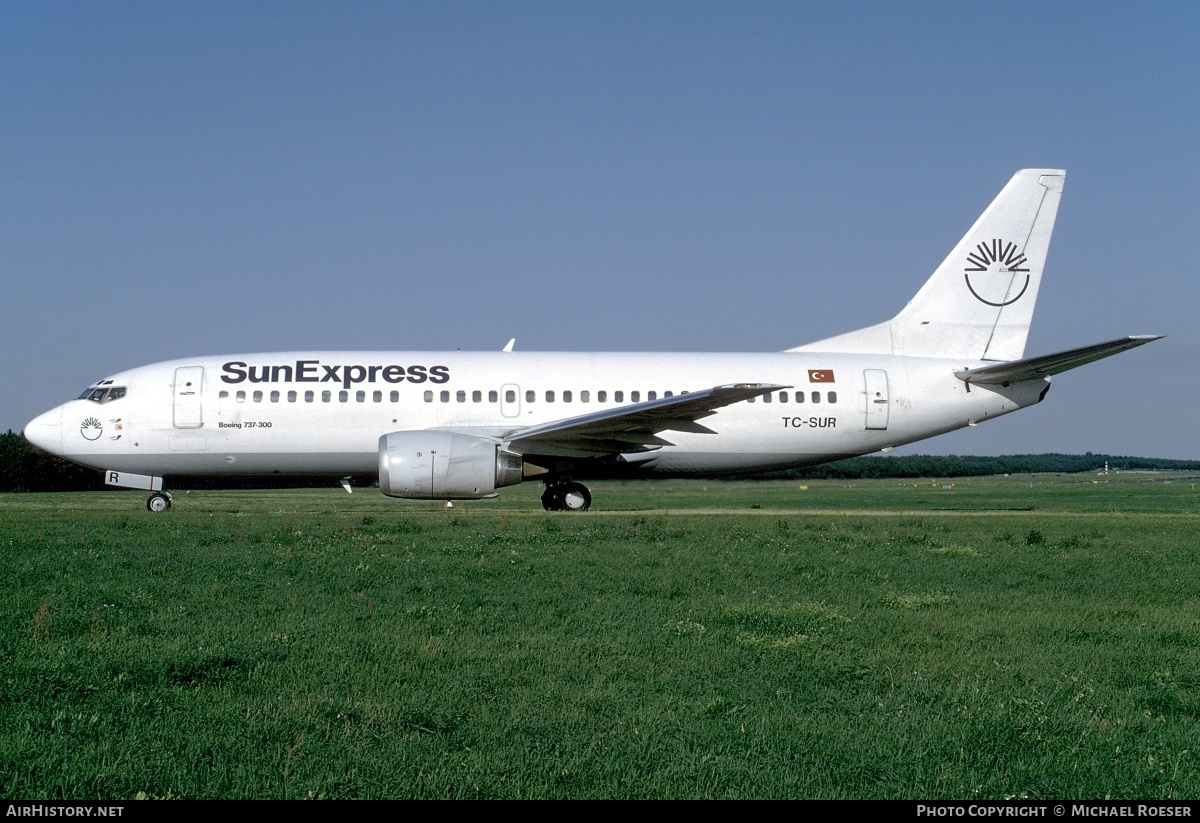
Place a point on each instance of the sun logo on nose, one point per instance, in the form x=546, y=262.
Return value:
x=91, y=429
x=992, y=270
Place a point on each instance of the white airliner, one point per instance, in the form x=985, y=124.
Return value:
x=459, y=425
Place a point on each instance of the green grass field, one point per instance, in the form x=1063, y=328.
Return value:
x=1027, y=637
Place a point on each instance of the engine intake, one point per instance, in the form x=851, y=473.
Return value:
x=434, y=465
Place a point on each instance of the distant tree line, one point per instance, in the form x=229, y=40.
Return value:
x=24, y=467
x=921, y=465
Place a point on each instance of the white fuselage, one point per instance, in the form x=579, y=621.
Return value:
x=323, y=412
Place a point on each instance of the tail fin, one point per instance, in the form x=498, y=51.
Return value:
x=979, y=302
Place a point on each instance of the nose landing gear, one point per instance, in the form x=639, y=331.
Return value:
x=571, y=496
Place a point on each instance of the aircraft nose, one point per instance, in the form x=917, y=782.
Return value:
x=45, y=431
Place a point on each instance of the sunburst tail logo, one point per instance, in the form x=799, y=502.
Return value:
x=1001, y=260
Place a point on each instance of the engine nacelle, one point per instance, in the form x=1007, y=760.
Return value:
x=434, y=465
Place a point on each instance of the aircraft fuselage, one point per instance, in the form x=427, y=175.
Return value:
x=324, y=412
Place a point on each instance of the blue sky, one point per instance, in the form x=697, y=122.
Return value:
x=187, y=179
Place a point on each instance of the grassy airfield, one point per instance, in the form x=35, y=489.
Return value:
x=1032, y=636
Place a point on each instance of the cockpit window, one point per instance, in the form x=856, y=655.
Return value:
x=103, y=394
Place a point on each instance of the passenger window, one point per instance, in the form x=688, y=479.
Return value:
x=308, y=396
x=445, y=396
x=585, y=396
x=360, y=396
x=510, y=396
x=377, y=396
x=668, y=394
x=530, y=394
x=476, y=396
x=550, y=396
x=832, y=396
x=618, y=397
x=766, y=398
x=224, y=395
x=258, y=397
x=651, y=395
x=751, y=399
x=292, y=397
x=460, y=396
x=783, y=397
x=601, y=397
x=635, y=396
x=816, y=397
x=394, y=396
x=567, y=396
x=343, y=396
x=799, y=397
x=326, y=396
x=275, y=397
x=428, y=396
x=241, y=397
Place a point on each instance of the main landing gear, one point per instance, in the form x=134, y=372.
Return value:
x=159, y=502
x=566, y=497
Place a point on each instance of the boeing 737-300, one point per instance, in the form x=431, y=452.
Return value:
x=460, y=425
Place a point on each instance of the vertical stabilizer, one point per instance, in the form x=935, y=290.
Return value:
x=979, y=302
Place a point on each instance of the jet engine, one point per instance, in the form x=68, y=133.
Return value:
x=436, y=465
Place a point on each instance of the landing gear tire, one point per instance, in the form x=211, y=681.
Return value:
x=560, y=497
x=158, y=502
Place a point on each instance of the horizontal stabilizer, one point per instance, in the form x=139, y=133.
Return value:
x=1034, y=368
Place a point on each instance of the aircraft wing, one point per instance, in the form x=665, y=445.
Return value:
x=632, y=428
x=1033, y=368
